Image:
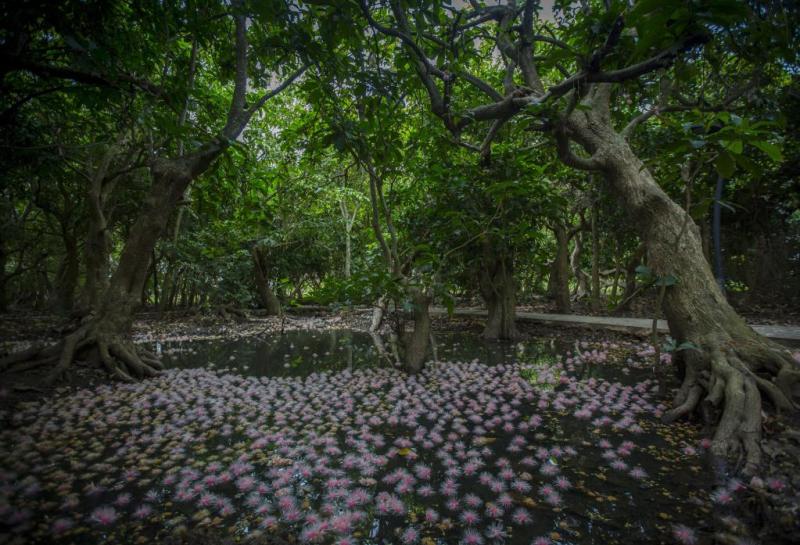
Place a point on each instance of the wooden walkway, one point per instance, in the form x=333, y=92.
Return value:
x=784, y=333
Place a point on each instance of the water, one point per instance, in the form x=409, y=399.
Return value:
x=247, y=436
x=299, y=353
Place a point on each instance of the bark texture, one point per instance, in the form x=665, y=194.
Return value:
x=559, y=271
x=499, y=292
x=732, y=365
x=415, y=342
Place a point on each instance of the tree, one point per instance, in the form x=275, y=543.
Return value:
x=562, y=80
x=103, y=335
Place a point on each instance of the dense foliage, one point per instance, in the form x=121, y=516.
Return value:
x=100, y=89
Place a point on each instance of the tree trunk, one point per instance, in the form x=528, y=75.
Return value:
x=347, y=255
x=172, y=265
x=3, y=277
x=96, y=255
x=349, y=221
x=595, y=295
x=97, y=247
x=559, y=271
x=499, y=293
x=378, y=312
x=617, y=271
x=268, y=298
x=67, y=278
x=171, y=296
x=104, y=337
x=732, y=365
x=630, y=278
x=575, y=259
x=415, y=343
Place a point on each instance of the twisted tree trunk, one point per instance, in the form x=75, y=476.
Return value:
x=731, y=366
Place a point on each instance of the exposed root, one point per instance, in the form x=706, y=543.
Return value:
x=132, y=360
x=120, y=358
x=788, y=381
x=111, y=365
x=689, y=404
x=728, y=381
x=67, y=354
x=35, y=353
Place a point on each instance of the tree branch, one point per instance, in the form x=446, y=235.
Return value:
x=11, y=63
x=569, y=158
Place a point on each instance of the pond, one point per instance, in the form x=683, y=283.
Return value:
x=312, y=434
x=298, y=353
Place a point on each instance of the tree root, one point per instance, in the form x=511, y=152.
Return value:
x=119, y=357
x=729, y=381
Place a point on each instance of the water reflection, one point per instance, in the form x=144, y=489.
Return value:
x=301, y=353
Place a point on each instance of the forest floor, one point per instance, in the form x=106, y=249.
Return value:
x=770, y=505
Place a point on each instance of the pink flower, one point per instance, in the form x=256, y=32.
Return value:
x=563, y=483
x=553, y=499
x=61, y=525
x=471, y=537
x=518, y=485
x=638, y=473
x=104, y=515
x=123, y=500
x=722, y=496
x=521, y=517
x=776, y=485
x=469, y=517
x=409, y=536
x=245, y=483
x=472, y=500
x=343, y=523
x=684, y=534
x=431, y=516
x=619, y=465
x=505, y=500
x=496, y=532
x=312, y=534
x=494, y=511
x=422, y=471
x=735, y=485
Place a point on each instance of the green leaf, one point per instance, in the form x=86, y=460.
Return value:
x=735, y=147
x=687, y=345
x=772, y=151
x=725, y=164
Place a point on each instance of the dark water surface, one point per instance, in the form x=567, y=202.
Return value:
x=299, y=353
x=313, y=433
